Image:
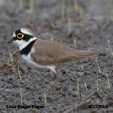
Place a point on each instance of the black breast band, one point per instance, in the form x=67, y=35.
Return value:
x=27, y=49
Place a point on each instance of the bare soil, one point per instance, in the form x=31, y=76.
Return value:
x=94, y=32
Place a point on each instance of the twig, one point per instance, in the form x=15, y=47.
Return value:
x=12, y=55
x=12, y=59
x=93, y=93
x=5, y=63
x=84, y=102
x=33, y=111
x=78, y=106
x=15, y=61
x=56, y=80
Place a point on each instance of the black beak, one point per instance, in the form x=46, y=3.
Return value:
x=10, y=41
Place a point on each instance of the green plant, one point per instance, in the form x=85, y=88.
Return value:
x=32, y=9
x=20, y=96
x=76, y=7
x=109, y=48
x=78, y=85
x=9, y=1
x=108, y=79
x=97, y=100
x=21, y=3
x=11, y=59
x=97, y=89
x=97, y=84
x=19, y=73
x=98, y=65
x=111, y=10
x=75, y=43
x=111, y=14
x=69, y=21
x=51, y=39
x=62, y=10
x=85, y=85
x=81, y=13
x=92, y=2
x=31, y=6
x=45, y=98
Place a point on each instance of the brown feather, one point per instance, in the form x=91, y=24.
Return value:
x=51, y=53
x=29, y=31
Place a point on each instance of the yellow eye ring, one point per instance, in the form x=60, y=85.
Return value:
x=20, y=35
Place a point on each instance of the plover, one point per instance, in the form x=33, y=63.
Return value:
x=46, y=54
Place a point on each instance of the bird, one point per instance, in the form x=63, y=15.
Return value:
x=46, y=54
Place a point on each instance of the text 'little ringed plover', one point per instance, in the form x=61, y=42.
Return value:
x=46, y=54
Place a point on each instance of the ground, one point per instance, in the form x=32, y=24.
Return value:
x=91, y=29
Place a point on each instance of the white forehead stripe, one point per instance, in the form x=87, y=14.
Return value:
x=25, y=31
x=14, y=35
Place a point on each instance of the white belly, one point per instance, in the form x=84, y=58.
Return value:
x=28, y=59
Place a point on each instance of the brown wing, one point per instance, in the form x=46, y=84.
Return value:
x=48, y=53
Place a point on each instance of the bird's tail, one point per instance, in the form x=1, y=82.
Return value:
x=87, y=54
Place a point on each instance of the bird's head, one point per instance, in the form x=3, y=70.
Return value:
x=22, y=37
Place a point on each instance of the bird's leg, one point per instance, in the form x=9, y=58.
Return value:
x=57, y=78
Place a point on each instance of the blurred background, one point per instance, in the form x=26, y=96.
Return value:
x=49, y=15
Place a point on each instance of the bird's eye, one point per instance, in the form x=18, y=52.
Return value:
x=20, y=35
